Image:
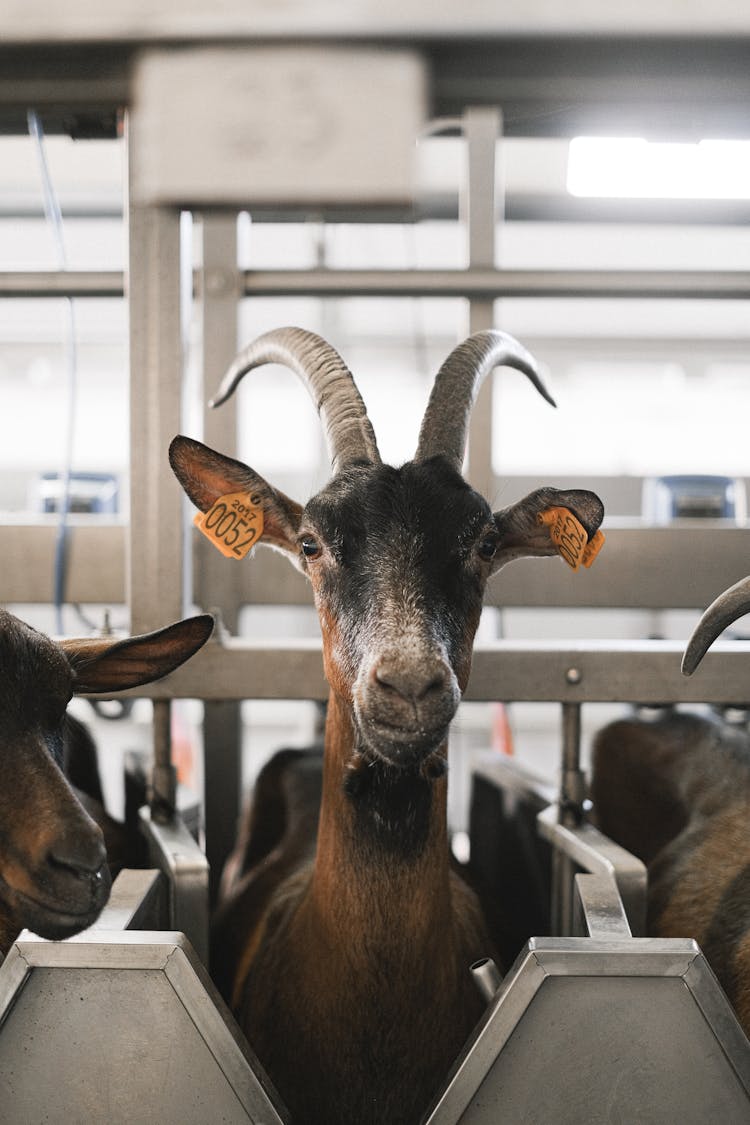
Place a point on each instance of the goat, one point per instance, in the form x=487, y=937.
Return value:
x=675, y=791
x=351, y=978
x=54, y=878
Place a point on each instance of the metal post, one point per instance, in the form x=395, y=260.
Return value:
x=570, y=812
x=218, y=582
x=163, y=797
x=155, y=538
x=481, y=127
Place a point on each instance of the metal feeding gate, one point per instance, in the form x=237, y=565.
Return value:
x=121, y=1025
x=604, y=1028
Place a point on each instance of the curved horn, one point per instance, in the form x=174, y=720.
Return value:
x=349, y=434
x=733, y=603
x=446, y=420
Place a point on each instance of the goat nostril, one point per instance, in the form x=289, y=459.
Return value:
x=83, y=858
x=409, y=683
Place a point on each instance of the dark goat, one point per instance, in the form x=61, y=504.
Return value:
x=675, y=791
x=351, y=975
x=54, y=877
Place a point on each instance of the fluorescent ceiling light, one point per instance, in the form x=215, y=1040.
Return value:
x=633, y=168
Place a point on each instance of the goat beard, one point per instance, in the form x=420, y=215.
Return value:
x=431, y=768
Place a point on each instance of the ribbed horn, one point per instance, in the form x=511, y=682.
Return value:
x=733, y=603
x=349, y=433
x=446, y=420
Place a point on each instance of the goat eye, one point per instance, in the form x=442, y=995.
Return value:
x=487, y=547
x=310, y=547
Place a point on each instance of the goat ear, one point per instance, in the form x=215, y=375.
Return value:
x=102, y=665
x=206, y=476
x=521, y=532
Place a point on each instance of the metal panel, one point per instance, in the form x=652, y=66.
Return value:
x=342, y=127
x=116, y=1028
x=597, y=1031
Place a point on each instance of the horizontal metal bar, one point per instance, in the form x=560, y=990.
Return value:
x=585, y=672
x=476, y=283
x=62, y=283
x=639, y=568
x=489, y=283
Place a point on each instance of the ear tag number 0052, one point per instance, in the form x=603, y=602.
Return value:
x=234, y=523
x=570, y=538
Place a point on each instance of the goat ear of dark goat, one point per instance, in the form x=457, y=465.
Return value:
x=522, y=534
x=102, y=665
x=206, y=476
x=727, y=608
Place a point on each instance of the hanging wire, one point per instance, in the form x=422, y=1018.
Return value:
x=53, y=215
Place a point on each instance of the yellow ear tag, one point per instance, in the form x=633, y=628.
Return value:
x=570, y=538
x=234, y=523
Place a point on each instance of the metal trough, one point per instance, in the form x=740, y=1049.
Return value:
x=122, y=1026
x=603, y=1028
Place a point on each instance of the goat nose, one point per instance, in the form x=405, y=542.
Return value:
x=83, y=854
x=412, y=680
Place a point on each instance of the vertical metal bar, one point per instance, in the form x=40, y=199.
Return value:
x=481, y=127
x=217, y=580
x=163, y=798
x=570, y=805
x=155, y=536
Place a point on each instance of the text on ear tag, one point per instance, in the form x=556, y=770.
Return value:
x=234, y=523
x=570, y=538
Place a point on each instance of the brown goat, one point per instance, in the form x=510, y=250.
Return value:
x=54, y=877
x=350, y=965
x=675, y=791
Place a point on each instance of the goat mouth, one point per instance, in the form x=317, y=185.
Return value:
x=400, y=746
x=55, y=921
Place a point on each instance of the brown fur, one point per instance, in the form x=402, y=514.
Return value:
x=54, y=878
x=348, y=956
x=676, y=792
x=403, y=983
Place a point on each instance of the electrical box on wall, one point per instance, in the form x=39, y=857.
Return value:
x=276, y=126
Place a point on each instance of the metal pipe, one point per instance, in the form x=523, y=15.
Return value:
x=494, y=283
x=163, y=796
x=487, y=284
x=572, y=782
x=486, y=977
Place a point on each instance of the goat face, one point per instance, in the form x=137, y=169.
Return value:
x=54, y=877
x=398, y=558
x=53, y=873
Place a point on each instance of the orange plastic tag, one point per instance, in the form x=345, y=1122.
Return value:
x=234, y=523
x=570, y=538
x=593, y=547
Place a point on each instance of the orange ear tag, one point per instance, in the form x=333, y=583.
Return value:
x=570, y=538
x=234, y=523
